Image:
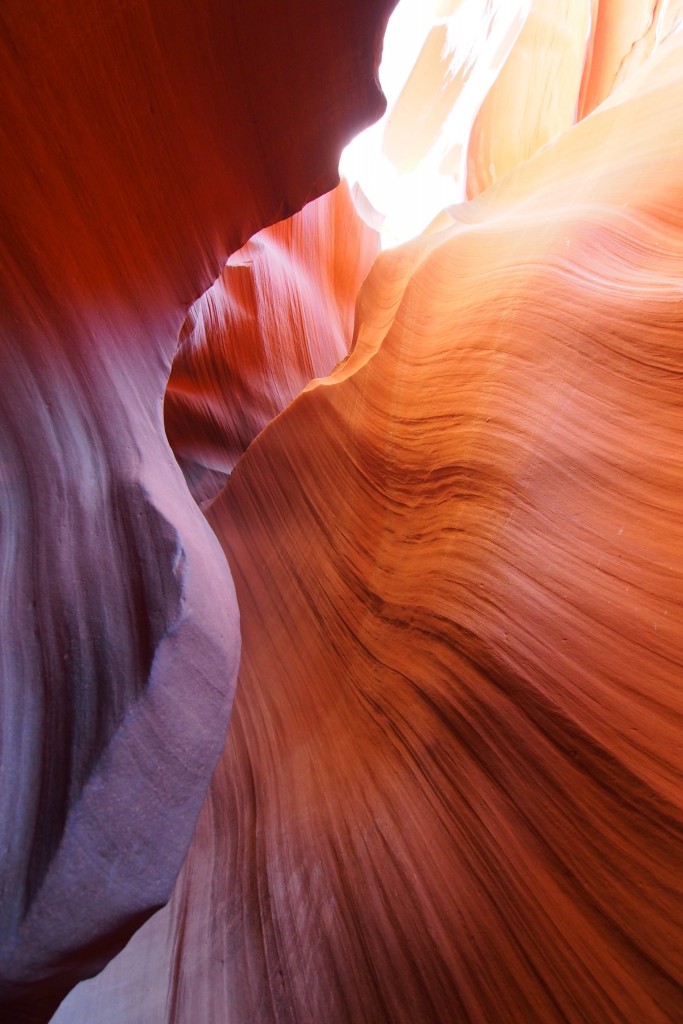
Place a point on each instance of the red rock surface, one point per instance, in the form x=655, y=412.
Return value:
x=140, y=144
x=280, y=314
x=451, y=789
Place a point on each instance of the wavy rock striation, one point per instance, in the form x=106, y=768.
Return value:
x=141, y=144
x=280, y=314
x=451, y=789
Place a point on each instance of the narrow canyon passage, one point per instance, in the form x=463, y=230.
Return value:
x=425, y=522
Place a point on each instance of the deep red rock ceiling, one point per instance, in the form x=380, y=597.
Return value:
x=452, y=785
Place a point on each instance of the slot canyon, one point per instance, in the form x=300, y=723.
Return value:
x=341, y=518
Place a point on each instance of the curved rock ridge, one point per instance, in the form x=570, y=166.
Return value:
x=451, y=789
x=140, y=145
x=280, y=314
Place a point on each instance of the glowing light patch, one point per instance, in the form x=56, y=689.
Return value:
x=469, y=41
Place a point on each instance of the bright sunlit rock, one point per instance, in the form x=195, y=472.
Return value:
x=464, y=43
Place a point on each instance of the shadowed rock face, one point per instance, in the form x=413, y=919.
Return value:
x=451, y=788
x=141, y=143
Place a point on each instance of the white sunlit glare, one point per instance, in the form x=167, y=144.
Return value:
x=479, y=35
